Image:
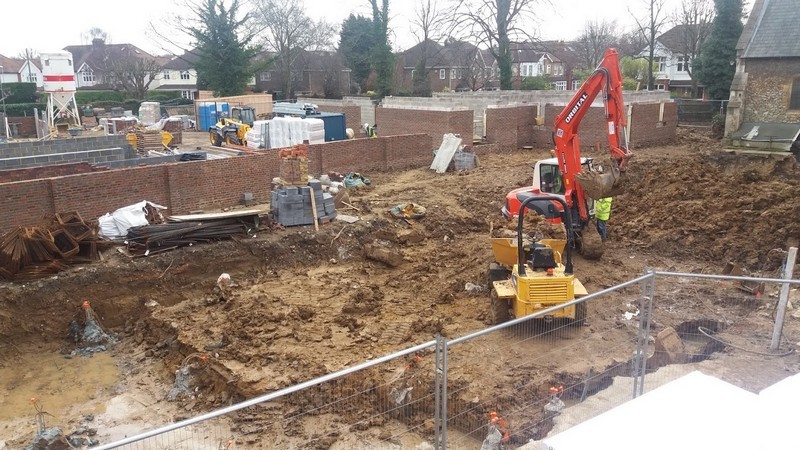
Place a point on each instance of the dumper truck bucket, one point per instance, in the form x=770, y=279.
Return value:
x=598, y=185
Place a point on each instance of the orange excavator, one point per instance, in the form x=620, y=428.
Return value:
x=578, y=180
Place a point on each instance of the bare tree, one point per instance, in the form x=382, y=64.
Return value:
x=289, y=32
x=693, y=19
x=29, y=55
x=649, y=26
x=429, y=24
x=95, y=33
x=132, y=73
x=597, y=36
x=494, y=24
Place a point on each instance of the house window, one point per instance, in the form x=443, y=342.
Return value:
x=442, y=74
x=547, y=69
x=32, y=77
x=184, y=74
x=88, y=77
x=527, y=69
x=794, y=100
x=452, y=74
x=559, y=70
x=266, y=76
x=165, y=75
x=560, y=85
x=576, y=84
x=660, y=63
x=187, y=94
x=683, y=63
x=661, y=87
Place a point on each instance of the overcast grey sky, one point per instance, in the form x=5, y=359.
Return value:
x=51, y=25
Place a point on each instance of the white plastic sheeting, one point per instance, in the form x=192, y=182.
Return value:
x=115, y=225
x=289, y=131
x=149, y=113
x=258, y=136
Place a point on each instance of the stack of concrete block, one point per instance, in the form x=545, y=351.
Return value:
x=292, y=206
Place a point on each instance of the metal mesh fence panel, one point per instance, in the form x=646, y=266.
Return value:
x=390, y=400
x=529, y=379
x=712, y=325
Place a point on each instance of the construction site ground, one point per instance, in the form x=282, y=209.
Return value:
x=307, y=303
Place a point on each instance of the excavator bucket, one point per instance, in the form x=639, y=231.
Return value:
x=598, y=185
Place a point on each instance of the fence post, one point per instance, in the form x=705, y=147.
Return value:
x=784, y=299
x=645, y=314
x=444, y=393
x=436, y=393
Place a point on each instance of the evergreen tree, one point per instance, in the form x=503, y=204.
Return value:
x=355, y=45
x=717, y=61
x=225, y=63
x=382, y=56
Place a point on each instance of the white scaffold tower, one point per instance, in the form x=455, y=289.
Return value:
x=59, y=83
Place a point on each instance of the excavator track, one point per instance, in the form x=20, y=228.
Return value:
x=591, y=244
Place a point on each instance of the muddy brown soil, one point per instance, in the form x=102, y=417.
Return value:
x=307, y=303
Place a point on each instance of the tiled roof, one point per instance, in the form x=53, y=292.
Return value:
x=98, y=55
x=776, y=30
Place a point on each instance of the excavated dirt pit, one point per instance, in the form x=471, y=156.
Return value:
x=305, y=304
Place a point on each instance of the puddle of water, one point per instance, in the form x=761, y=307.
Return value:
x=57, y=383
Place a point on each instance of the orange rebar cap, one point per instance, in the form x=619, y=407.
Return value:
x=86, y=304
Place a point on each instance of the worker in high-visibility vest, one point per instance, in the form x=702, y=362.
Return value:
x=602, y=212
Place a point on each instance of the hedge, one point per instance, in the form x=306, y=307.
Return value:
x=91, y=97
x=20, y=92
x=24, y=109
x=162, y=96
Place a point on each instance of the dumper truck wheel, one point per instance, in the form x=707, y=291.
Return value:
x=500, y=309
x=215, y=138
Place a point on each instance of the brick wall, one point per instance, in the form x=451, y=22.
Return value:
x=26, y=126
x=398, y=121
x=769, y=87
x=511, y=127
x=34, y=173
x=188, y=186
x=647, y=130
x=352, y=115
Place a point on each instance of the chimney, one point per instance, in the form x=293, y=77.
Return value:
x=98, y=42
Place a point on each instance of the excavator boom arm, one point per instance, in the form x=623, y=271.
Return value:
x=606, y=79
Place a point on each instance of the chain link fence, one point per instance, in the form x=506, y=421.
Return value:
x=693, y=112
x=513, y=383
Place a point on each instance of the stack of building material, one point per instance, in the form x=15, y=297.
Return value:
x=258, y=136
x=292, y=206
x=149, y=113
x=293, y=169
x=151, y=239
x=314, y=131
x=30, y=253
x=174, y=126
x=151, y=140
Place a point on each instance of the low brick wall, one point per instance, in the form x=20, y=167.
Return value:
x=352, y=115
x=646, y=128
x=25, y=126
x=59, y=170
x=511, y=127
x=188, y=186
x=434, y=123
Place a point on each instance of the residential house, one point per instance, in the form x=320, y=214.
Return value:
x=673, y=55
x=454, y=66
x=95, y=64
x=178, y=74
x=531, y=60
x=567, y=53
x=766, y=85
x=17, y=70
x=314, y=73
